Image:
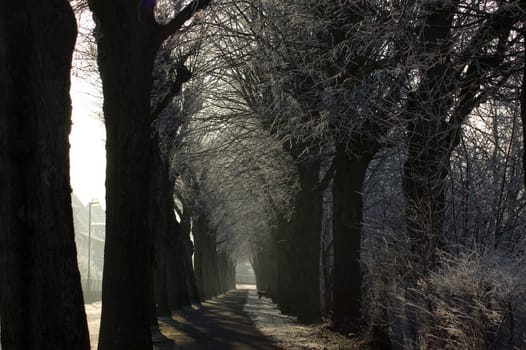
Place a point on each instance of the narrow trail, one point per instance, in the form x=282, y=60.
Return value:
x=219, y=324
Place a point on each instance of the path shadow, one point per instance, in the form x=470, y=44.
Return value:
x=218, y=324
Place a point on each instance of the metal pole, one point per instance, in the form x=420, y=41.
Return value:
x=89, y=246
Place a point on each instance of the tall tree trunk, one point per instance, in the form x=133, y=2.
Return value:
x=180, y=295
x=428, y=140
x=428, y=150
x=200, y=258
x=347, y=227
x=285, y=259
x=40, y=292
x=273, y=270
x=279, y=271
x=523, y=108
x=161, y=215
x=263, y=265
x=126, y=54
x=188, y=252
x=127, y=38
x=305, y=246
x=424, y=192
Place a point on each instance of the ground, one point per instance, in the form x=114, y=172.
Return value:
x=288, y=334
x=237, y=320
x=93, y=311
x=218, y=324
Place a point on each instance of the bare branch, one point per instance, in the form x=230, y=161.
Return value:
x=177, y=22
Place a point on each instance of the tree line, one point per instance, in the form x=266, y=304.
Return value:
x=366, y=156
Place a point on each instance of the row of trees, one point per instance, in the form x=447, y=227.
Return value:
x=402, y=122
x=41, y=298
x=379, y=138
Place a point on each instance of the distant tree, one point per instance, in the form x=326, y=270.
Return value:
x=484, y=191
x=128, y=37
x=41, y=299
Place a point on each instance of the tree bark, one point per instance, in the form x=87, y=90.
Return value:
x=305, y=245
x=188, y=252
x=41, y=299
x=207, y=269
x=126, y=54
x=428, y=147
x=180, y=282
x=271, y=267
x=347, y=227
x=262, y=264
x=201, y=264
x=161, y=214
x=285, y=259
x=128, y=38
x=523, y=109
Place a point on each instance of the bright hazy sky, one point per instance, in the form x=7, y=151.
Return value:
x=87, y=139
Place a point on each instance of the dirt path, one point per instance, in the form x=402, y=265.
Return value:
x=93, y=317
x=219, y=324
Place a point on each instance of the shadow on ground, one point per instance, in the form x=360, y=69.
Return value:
x=219, y=324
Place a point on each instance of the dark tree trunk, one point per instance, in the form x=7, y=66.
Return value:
x=205, y=259
x=428, y=142
x=523, y=109
x=127, y=39
x=161, y=215
x=222, y=262
x=272, y=270
x=231, y=274
x=259, y=271
x=198, y=261
x=304, y=258
x=188, y=252
x=224, y=272
x=424, y=192
x=427, y=152
x=180, y=277
x=347, y=227
x=262, y=266
x=179, y=292
x=162, y=303
x=126, y=54
x=201, y=265
x=285, y=259
x=40, y=292
x=173, y=272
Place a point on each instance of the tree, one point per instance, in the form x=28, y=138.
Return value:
x=458, y=56
x=455, y=80
x=523, y=112
x=41, y=298
x=169, y=252
x=370, y=85
x=358, y=124
x=127, y=47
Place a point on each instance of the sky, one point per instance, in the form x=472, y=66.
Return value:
x=87, y=139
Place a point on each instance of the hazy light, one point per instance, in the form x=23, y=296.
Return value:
x=88, y=140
